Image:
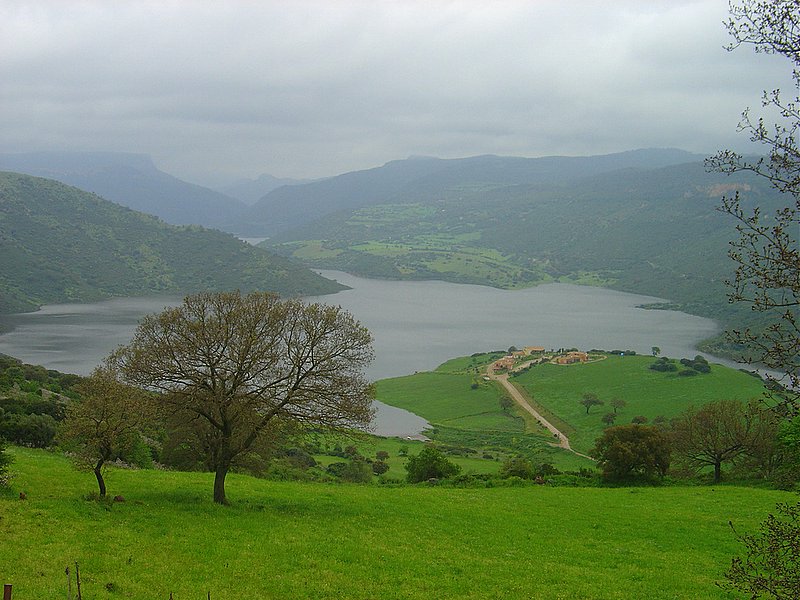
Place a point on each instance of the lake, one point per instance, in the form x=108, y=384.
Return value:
x=417, y=325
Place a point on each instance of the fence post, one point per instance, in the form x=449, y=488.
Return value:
x=7, y=591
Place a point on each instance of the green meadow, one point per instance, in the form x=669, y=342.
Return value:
x=312, y=540
x=558, y=389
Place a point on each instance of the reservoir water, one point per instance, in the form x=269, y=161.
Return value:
x=416, y=325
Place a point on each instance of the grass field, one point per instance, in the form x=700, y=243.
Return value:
x=300, y=540
x=559, y=389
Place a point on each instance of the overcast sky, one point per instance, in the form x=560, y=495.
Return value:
x=309, y=89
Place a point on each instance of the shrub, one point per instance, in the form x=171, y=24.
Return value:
x=517, y=467
x=632, y=450
x=430, y=463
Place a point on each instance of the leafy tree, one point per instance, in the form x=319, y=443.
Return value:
x=639, y=420
x=430, y=463
x=717, y=433
x=240, y=364
x=589, y=400
x=104, y=423
x=655, y=350
x=517, y=466
x=632, y=450
x=769, y=568
x=33, y=430
x=379, y=467
x=618, y=404
x=382, y=455
x=609, y=418
x=766, y=253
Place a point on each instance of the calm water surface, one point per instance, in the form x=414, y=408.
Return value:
x=416, y=324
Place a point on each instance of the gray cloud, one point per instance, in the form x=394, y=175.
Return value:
x=315, y=88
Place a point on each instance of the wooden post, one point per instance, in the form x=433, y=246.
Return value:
x=78, y=580
x=69, y=584
x=7, y=591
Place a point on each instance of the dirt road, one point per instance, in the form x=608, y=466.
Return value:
x=522, y=401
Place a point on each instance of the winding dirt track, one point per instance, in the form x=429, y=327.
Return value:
x=522, y=401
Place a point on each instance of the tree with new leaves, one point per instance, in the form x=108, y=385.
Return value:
x=766, y=253
x=618, y=404
x=104, y=423
x=628, y=451
x=241, y=365
x=589, y=400
x=717, y=433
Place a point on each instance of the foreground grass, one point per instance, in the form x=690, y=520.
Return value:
x=293, y=540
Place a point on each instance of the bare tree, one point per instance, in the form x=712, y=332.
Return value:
x=589, y=400
x=766, y=253
x=104, y=423
x=242, y=364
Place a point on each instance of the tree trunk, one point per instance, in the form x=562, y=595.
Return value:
x=219, y=484
x=717, y=472
x=98, y=473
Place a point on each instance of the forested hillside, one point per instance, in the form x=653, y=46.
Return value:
x=424, y=179
x=650, y=231
x=132, y=180
x=58, y=243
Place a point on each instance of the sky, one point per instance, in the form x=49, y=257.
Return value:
x=215, y=91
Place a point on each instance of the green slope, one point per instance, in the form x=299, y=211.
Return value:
x=300, y=540
x=58, y=243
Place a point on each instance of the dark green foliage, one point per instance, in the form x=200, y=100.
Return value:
x=354, y=471
x=35, y=431
x=430, y=463
x=58, y=243
x=517, y=467
x=5, y=461
x=379, y=467
x=699, y=364
x=629, y=451
x=770, y=567
x=664, y=365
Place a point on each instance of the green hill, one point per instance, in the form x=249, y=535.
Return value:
x=325, y=541
x=59, y=243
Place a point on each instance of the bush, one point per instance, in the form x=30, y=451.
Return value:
x=356, y=471
x=430, y=463
x=632, y=451
x=35, y=431
x=5, y=461
x=517, y=467
x=379, y=467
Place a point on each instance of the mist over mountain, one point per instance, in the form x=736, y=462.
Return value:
x=59, y=243
x=250, y=191
x=417, y=178
x=132, y=180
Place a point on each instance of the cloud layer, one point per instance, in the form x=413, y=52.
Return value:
x=308, y=89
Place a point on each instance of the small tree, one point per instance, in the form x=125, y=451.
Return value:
x=104, y=423
x=639, y=420
x=382, y=455
x=769, y=568
x=632, y=450
x=618, y=404
x=589, y=400
x=655, y=350
x=430, y=463
x=609, y=419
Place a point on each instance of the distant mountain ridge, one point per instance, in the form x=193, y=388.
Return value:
x=410, y=179
x=251, y=191
x=59, y=243
x=132, y=180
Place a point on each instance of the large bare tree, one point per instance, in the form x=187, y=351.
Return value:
x=766, y=253
x=240, y=364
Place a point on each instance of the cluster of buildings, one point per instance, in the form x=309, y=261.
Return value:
x=508, y=362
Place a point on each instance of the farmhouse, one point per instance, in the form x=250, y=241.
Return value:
x=507, y=362
x=571, y=358
x=528, y=350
